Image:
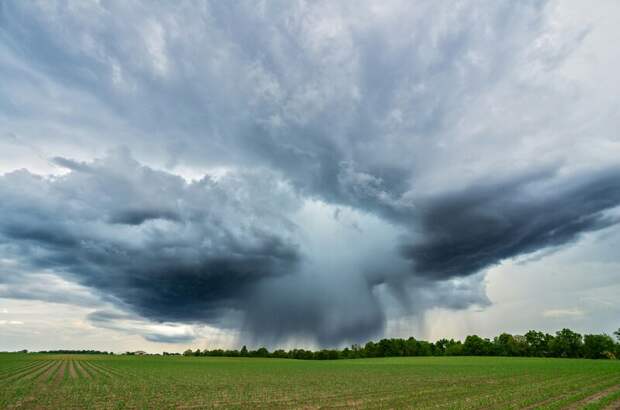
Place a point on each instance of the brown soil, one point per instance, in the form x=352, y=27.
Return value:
x=61, y=373
x=46, y=375
x=613, y=406
x=82, y=371
x=72, y=372
x=24, y=372
x=595, y=397
x=37, y=372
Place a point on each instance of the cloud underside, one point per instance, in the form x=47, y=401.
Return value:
x=438, y=140
x=470, y=230
x=221, y=252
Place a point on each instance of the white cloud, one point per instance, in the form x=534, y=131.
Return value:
x=563, y=313
x=10, y=322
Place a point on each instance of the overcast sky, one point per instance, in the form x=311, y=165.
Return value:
x=290, y=173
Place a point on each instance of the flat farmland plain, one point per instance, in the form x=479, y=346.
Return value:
x=116, y=382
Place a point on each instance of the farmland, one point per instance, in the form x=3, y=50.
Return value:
x=99, y=381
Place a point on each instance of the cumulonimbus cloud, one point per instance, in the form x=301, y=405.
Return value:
x=466, y=231
x=204, y=251
x=466, y=129
x=168, y=249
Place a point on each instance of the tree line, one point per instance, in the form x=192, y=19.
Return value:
x=71, y=351
x=565, y=343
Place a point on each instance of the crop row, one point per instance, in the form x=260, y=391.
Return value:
x=56, y=371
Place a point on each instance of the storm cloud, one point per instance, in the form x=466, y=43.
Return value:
x=291, y=170
x=168, y=249
x=469, y=230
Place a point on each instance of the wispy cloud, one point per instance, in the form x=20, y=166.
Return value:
x=564, y=313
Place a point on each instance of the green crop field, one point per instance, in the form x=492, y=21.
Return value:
x=98, y=381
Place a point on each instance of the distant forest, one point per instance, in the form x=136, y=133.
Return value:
x=565, y=343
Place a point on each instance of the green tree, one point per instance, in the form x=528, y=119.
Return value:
x=617, y=333
x=411, y=347
x=441, y=346
x=454, y=348
x=425, y=348
x=370, y=349
x=567, y=344
x=507, y=345
x=188, y=352
x=598, y=346
x=537, y=343
x=244, y=351
x=281, y=354
x=476, y=346
x=262, y=352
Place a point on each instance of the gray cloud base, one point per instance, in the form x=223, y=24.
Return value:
x=168, y=249
x=465, y=127
x=469, y=230
x=197, y=252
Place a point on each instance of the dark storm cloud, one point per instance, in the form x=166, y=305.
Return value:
x=325, y=310
x=220, y=252
x=298, y=87
x=163, y=338
x=139, y=216
x=380, y=108
x=469, y=230
x=193, y=262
